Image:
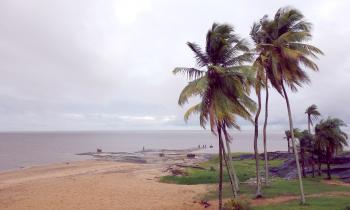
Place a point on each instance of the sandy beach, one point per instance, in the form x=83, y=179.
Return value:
x=92, y=185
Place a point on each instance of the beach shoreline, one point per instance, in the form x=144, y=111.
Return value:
x=94, y=184
x=101, y=183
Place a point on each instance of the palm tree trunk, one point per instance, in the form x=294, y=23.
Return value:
x=232, y=181
x=220, y=171
x=329, y=156
x=235, y=177
x=319, y=166
x=302, y=154
x=264, y=134
x=288, y=145
x=313, y=164
x=309, y=123
x=312, y=154
x=329, y=170
x=256, y=130
x=302, y=196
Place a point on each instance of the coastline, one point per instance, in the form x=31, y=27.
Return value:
x=97, y=184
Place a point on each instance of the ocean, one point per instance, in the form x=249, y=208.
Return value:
x=24, y=149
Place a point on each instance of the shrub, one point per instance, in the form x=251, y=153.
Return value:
x=241, y=203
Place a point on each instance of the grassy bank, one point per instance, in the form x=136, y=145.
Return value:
x=278, y=187
x=245, y=170
x=319, y=203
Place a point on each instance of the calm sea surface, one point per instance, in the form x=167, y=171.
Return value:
x=36, y=148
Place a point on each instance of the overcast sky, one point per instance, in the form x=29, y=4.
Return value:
x=106, y=65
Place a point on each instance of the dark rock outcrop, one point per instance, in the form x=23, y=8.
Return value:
x=270, y=155
x=340, y=168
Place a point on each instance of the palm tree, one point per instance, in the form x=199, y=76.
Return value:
x=306, y=141
x=266, y=158
x=282, y=43
x=256, y=132
x=312, y=115
x=261, y=81
x=331, y=139
x=288, y=137
x=223, y=85
x=320, y=154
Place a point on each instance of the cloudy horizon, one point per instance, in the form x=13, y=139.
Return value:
x=106, y=65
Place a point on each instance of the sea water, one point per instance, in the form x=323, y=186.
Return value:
x=23, y=149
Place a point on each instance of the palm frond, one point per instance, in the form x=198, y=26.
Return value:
x=191, y=73
x=192, y=110
x=193, y=88
x=201, y=58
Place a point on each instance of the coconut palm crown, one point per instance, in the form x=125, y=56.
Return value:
x=312, y=115
x=281, y=45
x=222, y=83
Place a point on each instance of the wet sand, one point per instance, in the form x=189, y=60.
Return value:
x=94, y=185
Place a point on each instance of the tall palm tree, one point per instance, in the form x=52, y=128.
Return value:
x=331, y=139
x=258, y=85
x=312, y=115
x=261, y=64
x=261, y=81
x=266, y=158
x=223, y=85
x=282, y=41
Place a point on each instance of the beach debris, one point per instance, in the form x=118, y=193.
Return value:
x=179, y=169
x=99, y=150
x=206, y=204
x=161, y=155
x=189, y=166
x=191, y=155
x=176, y=171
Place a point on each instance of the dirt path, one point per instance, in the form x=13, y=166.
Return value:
x=336, y=182
x=93, y=185
x=283, y=199
x=278, y=200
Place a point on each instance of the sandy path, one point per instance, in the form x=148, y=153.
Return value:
x=93, y=185
x=336, y=182
x=287, y=198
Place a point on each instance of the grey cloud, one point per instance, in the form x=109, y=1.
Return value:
x=107, y=64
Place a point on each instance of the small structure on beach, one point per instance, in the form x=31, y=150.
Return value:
x=191, y=155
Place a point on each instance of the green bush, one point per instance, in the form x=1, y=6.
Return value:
x=241, y=203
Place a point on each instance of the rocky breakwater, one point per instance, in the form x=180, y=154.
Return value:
x=172, y=161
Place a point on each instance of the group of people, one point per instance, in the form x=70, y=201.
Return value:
x=204, y=146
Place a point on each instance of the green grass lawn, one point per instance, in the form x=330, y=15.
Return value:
x=245, y=170
x=278, y=187
x=320, y=203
